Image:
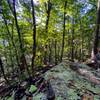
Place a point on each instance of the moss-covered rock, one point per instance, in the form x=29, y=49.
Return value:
x=69, y=85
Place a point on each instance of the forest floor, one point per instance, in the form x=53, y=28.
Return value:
x=70, y=85
x=67, y=84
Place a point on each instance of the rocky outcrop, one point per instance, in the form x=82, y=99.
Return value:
x=68, y=84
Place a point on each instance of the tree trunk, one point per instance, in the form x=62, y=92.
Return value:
x=68, y=44
x=23, y=62
x=50, y=52
x=72, y=48
x=62, y=51
x=81, y=56
x=55, y=52
x=34, y=36
x=97, y=34
x=11, y=38
x=48, y=10
x=58, y=53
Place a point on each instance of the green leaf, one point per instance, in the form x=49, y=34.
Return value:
x=33, y=88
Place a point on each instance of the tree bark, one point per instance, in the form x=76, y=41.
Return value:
x=48, y=11
x=34, y=36
x=50, y=52
x=11, y=38
x=72, y=41
x=56, y=52
x=62, y=51
x=48, y=8
x=22, y=58
x=81, y=54
x=97, y=34
x=23, y=63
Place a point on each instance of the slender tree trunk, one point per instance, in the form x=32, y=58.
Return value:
x=97, y=34
x=58, y=53
x=55, y=52
x=72, y=49
x=50, y=52
x=17, y=26
x=48, y=8
x=22, y=58
x=69, y=41
x=19, y=36
x=11, y=37
x=68, y=44
x=62, y=51
x=23, y=63
x=34, y=36
x=81, y=30
x=82, y=48
x=48, y=11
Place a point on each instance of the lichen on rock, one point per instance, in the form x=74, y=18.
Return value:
x=69, y=85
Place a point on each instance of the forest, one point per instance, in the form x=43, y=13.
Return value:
x=49, y=50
